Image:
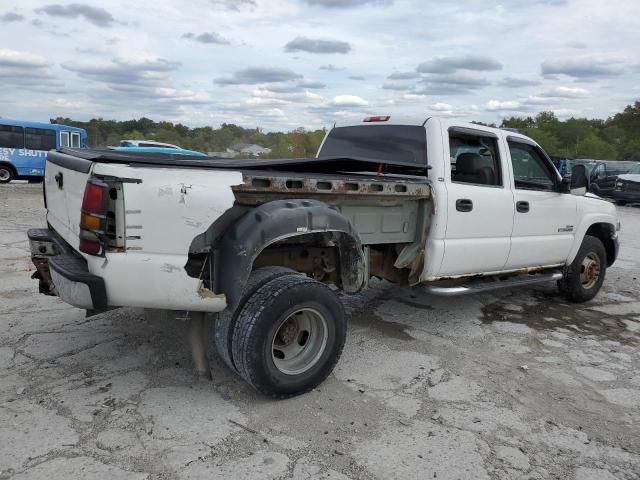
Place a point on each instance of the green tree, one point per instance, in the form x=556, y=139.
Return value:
x=630, y=150
x=594, y=147
x=547, y=140
x=133, y=135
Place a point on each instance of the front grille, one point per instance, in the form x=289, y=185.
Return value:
x=632, y=187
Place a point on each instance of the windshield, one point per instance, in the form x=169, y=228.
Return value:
x=635, y=169
x=397, y=144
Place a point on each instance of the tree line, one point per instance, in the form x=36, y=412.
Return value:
x=103, y=133
x=616, y=138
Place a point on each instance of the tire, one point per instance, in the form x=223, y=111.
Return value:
x=6, y=174
x=584, y=277
x=622, y=203
x=226, y=320
x=296, y=315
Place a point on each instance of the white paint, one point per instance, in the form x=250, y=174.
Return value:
x=167, y=210
x=173, y=205
x=493, y=238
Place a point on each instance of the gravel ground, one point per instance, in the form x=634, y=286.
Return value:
x=513, y=384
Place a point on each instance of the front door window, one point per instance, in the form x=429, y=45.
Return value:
x=530, y=170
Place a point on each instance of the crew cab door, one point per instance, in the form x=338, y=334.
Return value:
x=479, y=205
x=545, y=220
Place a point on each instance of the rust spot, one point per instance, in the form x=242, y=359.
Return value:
x=259, y=188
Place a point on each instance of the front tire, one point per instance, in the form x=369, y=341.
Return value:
x=584, y=277
x=6, y=174
x=289, y=336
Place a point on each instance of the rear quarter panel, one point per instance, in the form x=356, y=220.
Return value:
x=163, y=214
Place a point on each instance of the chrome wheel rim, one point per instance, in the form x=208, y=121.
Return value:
x=300, y=341
x=4, y=175
x=590, y=271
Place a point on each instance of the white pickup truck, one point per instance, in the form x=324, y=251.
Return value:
x=268, y=244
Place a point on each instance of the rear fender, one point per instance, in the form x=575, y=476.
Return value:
x=276, y=221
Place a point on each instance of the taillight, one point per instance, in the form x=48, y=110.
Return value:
x=93, y=217
x=94, y=196
x=380, y=118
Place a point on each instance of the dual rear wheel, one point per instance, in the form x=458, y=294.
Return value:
x=286, y=335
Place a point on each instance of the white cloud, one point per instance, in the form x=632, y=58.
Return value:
x=497, y=105
x=349, y=101
x=441, y=107
x=566, y=92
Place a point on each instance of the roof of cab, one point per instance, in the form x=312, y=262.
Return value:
x=49, y=126
x=446, y=122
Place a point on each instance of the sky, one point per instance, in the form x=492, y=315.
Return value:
x=280, y=65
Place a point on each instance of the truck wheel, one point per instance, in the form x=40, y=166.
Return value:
x=622, y=203
x=226, y=320
x=6, y=174
x=583, y=278
x=288, y=336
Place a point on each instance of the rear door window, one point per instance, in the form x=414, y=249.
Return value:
x=40, y=139
x=11, y=136
x=474, y=159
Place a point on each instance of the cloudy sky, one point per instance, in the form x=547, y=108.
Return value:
x=281, y=64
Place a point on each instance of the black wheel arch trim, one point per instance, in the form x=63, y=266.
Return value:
x=274, y=221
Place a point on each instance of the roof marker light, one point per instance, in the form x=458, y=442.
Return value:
x=380, y=118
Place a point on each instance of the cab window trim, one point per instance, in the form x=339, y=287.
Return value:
x=546, y=161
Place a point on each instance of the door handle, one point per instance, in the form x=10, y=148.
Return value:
x=59, y=179
x=464, y=205
x=522, y=207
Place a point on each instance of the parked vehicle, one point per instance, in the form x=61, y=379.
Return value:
x=627, y=188
x=170, y=151
x=458, y=207
x=603, y=176
x=146, y=144
x=24, y=147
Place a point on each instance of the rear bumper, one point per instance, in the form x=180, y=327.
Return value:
x=63, y=272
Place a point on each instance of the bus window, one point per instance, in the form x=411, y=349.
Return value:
x=11, y=137
x=75, y=140
x=64, y=139
x=40, y=139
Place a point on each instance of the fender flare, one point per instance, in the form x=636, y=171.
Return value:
x=275, y=221
x=582, y=229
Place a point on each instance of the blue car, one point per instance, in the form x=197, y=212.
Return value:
x=24, y=147
x=172, y=151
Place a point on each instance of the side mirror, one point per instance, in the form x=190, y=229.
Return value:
x=579, y=180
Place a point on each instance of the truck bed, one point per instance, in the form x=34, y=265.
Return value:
x=326, y=165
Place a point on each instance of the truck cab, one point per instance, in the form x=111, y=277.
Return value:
x=501, y=205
